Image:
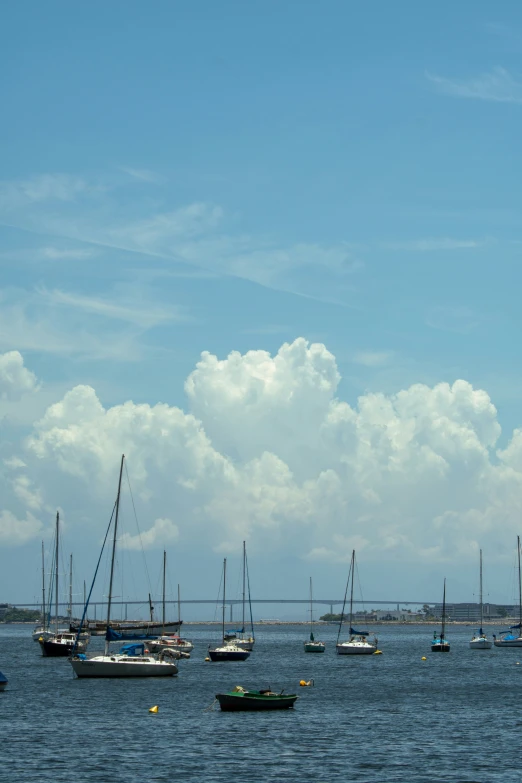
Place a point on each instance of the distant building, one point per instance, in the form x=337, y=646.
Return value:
x=471, y=612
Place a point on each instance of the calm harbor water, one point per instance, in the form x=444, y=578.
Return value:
x=392, y=717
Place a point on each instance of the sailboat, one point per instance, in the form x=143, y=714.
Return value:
x=229, y=651
x=131, y=661
x=182, y=647
x=312, y=645
x=246, y=642
x=508, y=638
x=3, y=681
x=43, y=629
x=359, y=642
x=480, y=641
x=439, y=643
x=61, y=642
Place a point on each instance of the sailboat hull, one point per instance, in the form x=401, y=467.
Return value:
x=440, y=648
x=122, y=666
x=508, y=642
x=314, y=647
x=355, y=648
x=228, y=655
x=480, y=644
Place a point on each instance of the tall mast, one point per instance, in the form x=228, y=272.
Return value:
x=443, y=611
x=311, y=618
x=43, y=587
x=70, y=590
x=481, y=609
x=224, y=595
x=163, y=607
x=244, y=582
x=519, y=588
x=56, y=568
x=109, y=602
x=179, y=611
x=351, y=589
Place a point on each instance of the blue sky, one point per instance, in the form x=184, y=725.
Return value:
x=190, y=177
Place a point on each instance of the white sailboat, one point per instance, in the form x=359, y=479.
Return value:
x=480, y=641
x=359, y=642
x=312, y=645
x=167, y=641
x=229, y=651
x=240, y=638
x=131, y=661
x=508, y=638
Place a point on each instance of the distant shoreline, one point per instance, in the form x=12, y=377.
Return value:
x=325, y=624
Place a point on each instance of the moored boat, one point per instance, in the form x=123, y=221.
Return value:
x=228, y=651
x=440, y=643
x=312, y=645
x=508, y=638
x=480, y=641
x=131, y=661
x=241, y=699
x=3, y=681
x=360, y=642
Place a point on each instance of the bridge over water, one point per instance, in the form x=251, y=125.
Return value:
x=96, y=607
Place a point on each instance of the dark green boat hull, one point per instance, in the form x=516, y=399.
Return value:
x=253, y=700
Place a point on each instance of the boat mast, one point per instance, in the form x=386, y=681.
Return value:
x=443, y=611
x=70, y=590
x=43, y=588
x=311, y=616
x=351, y=589
x=179, y=611
x=56, y=570
x=244, y=582
x=481, y=609
x=224, y=595
x=109, y=602
x=519, y=589
x=163, y=607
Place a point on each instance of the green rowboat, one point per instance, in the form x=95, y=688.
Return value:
x=240, y=699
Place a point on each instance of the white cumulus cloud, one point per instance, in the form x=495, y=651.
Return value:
x=15, y=379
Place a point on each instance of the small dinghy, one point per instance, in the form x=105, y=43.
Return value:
x=3, y=681
x=241, y=699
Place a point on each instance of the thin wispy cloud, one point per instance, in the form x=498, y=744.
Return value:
x=431, y=244
x=47, y=187
x=498, y=85
x=373, y=358
x=130, y=311
x=145, y=175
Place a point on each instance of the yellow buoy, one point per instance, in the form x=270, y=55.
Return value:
x=305, y=684
x=154, y=709
x=424, y=658
x=378, y=652
x=207, y=659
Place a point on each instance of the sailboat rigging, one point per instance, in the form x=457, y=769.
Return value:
x=312, y=645
x=245, y=641
x=480, y=641
x=360, y=642
x=229, y=651
x=131, y=661
x=508, y=638
x=61, y=643
x=182, y=647
x=439, y=643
